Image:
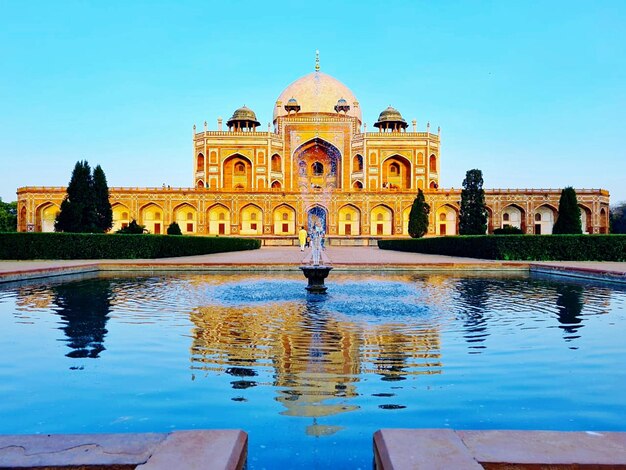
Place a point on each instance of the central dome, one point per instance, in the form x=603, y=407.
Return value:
x=317, y=92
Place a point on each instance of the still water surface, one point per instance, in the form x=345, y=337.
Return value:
x=311, y=377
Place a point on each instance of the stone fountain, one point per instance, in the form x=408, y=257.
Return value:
x=316, y=268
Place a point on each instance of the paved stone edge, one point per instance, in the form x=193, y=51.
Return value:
x=445, y=449
x=221, y=449
x=580, y=272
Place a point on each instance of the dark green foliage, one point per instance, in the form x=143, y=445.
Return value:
x=100, y=246
x=473, y=214
x=174, y=229
x=508, y=230
x=418, y=217
x=8, y=216
x=618, y=218
x=132, y=229
x=568, y=220
x=104, y=212
x=86, y=207
x=519, y=247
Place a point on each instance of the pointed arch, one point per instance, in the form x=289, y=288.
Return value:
x=357, y=185
x=349, y=217
x=446, y=220
x=237, y=172
x=432, y=163
x=45, y=216
x=317, y=216
x=218, y=216
x=186, y=216
x=397, y=171
x=200, y=184
x=381, y=220
x=276, y=185
x=513, y=215
x=151, y=216
x=325, y=154
x=357, y=163
x=200, y=162
x=276, y=163
x=284, y=217
x=121, y=216
x=251, y=220
x=544, y=218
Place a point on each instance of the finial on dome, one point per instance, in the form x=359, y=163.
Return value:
x=317, y=60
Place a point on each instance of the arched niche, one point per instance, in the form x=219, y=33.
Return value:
x=381, y=220
x=349, y=220
x=186, y=216
x=46, y=215
x=446, y=218
x=251, y=220
x=121, y=216
x=151, y=216
x=318, y=165
x=284, y=220
x=237, y=172
x=397, y=173
x=544, y=218
x=218, y=216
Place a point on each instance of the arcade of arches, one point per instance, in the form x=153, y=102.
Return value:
x=317, y=164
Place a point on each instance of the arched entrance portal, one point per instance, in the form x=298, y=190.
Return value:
x=316, y=218
x=317, y=165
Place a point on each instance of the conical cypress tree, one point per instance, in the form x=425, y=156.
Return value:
x=568, y=220
x=77, y=209
x=473, y=214
x=418, y=217
x=104, y=213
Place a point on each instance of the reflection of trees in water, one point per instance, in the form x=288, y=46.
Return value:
x=569, y=303
x=474, y=296
x=84, y=308
x=314, y=358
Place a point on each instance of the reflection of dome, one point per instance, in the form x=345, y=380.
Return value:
x=243, y=115
x=389, y=118
x=317, y=92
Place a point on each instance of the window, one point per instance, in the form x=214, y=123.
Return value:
x=285, y=216
x=275, y=163
x=433, y=163
x=124, y=215
x=318, y=169
x=240, y=168
x=275, y=185
x=253, y=216
x=505, y=217
x=537, y=217
x=200, y=163
x=189, y=216
x=394, y=169
x=348, y=216
x=379, y=217
x=222, y=216
x=442, y=217
x=157, y=216
x=358, y=163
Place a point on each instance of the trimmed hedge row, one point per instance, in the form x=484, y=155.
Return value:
x=20, y=246
x=518, y=247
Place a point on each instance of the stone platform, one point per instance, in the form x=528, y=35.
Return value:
x=189, y=450
x=444, y=449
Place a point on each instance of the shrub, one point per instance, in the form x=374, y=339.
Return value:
x=101, y=246
x=174, y=229
x=518, y=247
x=132, y=229
x=508, y=230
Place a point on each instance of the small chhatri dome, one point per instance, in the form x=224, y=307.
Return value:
x=342, y=105
x=391, y=118
x=243, y=118
x=292, y=105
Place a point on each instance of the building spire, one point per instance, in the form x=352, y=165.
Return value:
x=317, y=60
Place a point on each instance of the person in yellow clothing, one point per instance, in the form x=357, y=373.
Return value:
x=302, y=234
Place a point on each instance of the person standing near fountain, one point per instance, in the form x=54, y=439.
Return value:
x=302, y=235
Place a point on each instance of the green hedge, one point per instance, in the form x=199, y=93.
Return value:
x=518, y=247
x=100, y=246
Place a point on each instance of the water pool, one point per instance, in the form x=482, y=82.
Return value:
x=310, y=378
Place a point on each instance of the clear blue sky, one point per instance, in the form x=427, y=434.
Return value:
x=532, y=93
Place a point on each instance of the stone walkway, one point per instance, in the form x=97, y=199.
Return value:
x=271, y=257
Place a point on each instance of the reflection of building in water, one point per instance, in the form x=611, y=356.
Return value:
x=316, y=359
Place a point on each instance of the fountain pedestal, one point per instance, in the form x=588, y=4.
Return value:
x=316, y=275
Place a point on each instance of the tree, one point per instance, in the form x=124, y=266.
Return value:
x=618, y=218
x=8, y=216
x=418, y=217
x=78, y=212
x=568, y=220
x=473, y=214
x=174, y=229
x=133, y=228
x=86, y=207
x=104, y=213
